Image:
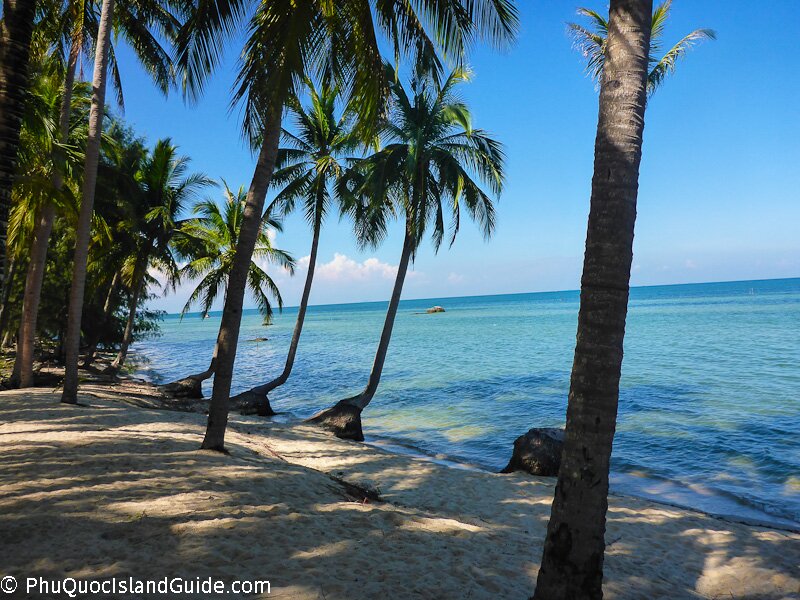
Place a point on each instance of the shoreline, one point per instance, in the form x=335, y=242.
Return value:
x=633, y=485
x=293, y=502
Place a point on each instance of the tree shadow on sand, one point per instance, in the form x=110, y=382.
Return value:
x=107, y=490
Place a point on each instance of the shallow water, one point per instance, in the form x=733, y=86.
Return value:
x=709, y=413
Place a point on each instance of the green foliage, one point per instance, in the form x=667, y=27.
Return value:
x=288, y=40
x=433, y=162
x=208, y=242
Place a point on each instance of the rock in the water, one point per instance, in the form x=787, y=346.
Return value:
x=259, y=339
x=538, y=452
x=343, y=419
x=434, y=309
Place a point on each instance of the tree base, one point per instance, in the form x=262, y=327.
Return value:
x=252, y=403
x=343, y=419
x=189, y=388
x=538, y=452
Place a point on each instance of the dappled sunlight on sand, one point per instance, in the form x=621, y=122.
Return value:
x=115, y=490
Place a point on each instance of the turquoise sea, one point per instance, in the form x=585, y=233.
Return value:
x=709, y=413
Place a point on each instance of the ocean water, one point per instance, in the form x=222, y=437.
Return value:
x=709, y=412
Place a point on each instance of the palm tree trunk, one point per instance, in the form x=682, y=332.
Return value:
x=344, y=418
x=258, y=395
x=228, y=336
x=572, y=561
x=191, y=386
x=73, y=338
x=107, y=308
x=5, y=309
x=140, y=272
x=41, y=239
x=23, y=368
x=16, y=29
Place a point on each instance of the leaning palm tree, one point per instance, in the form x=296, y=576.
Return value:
x=572, y=562
x=308, y=171
x=209, y=243
x=432, y=163
x=148, y=13
x=16, y=29
x=288, y=40
x=592, y=42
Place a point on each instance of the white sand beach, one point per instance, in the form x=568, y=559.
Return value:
x=110, y=489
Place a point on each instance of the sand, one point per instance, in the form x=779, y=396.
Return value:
x=116, y=490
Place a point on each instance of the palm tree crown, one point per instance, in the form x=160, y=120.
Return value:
x=433, y=161
x=209, y=243
x=313, y=157
x=592, y=43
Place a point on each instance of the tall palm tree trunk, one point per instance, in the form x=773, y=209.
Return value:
x=107, y=308
x=16, y=29
x=127, y=337
x=259, y=395
x=5, y=309
x=228, y=336
x=344, y=418
x=139, y=282
x=73, y=337
x=23, y=368
x=572, y=561
x=23, y=365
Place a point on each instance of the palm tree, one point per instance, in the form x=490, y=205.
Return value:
x=16, y=29
x=40, y=189
x=429, y=165
x=592, y=43
x=209, y=243
x=572, y=562
x=166, y=189
x=288, y=40
x=308, y=170
x=73, y=26
x=149, y=15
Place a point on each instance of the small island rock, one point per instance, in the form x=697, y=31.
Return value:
x=538, y=452
x=434, y=309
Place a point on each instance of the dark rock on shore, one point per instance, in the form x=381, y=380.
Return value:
x=538, y=452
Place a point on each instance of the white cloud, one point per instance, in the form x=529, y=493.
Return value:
x=344, y=269
x=455, y=278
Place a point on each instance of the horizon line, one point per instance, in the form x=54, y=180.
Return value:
x=503, y=294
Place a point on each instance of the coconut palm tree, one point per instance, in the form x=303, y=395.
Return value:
x=286, y=41
x=74, y=25
x=432, y=163
x=209, y=243
x=166, y=189
x=592, y=42
x=16, y=29
x=572, y=562
x=50, y=146
x=136, y=16
x=308, y=171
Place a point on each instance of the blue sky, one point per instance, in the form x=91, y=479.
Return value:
x=719, y=195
